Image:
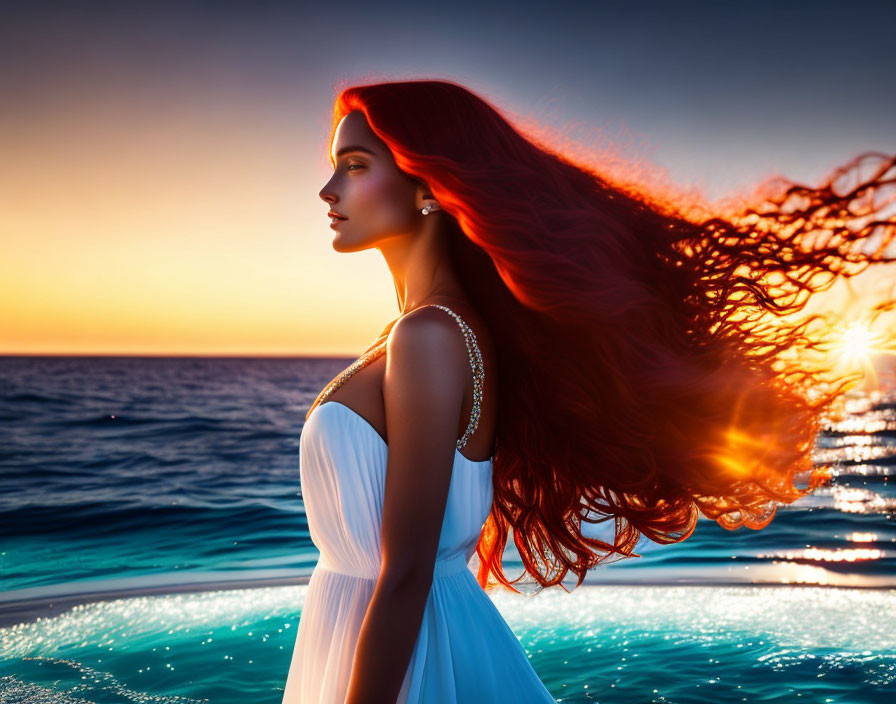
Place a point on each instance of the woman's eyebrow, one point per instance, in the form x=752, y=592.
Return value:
x=358, y=148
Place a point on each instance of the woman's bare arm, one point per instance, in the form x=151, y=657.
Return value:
x=423, y=388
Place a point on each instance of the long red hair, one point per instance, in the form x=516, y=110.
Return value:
x=646, y=368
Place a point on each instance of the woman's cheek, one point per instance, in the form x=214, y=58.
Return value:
x=388, y=205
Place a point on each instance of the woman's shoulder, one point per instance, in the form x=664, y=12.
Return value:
x=425, y=347
x=431, y=333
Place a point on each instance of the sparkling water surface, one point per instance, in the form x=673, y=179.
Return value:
x=154, y=549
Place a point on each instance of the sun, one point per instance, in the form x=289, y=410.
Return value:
x=857, y=344
x=854, y=347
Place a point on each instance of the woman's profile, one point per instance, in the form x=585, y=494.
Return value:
x=569, y=351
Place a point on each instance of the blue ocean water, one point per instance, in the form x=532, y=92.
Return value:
x=153, y=547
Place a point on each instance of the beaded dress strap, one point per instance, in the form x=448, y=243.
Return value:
x=478, y=372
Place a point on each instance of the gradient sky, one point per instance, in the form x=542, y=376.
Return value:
x=162, y=162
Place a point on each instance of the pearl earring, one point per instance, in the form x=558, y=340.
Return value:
x=429, y=207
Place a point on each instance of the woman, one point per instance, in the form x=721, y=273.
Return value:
x=628, y=390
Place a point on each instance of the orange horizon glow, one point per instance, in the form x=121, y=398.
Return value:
x=176, y=239
x=129, y=231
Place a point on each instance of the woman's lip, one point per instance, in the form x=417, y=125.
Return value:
x=335, y=221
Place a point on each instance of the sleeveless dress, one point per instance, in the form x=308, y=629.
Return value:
x=465, y=652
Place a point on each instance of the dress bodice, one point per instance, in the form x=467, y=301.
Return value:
x=343, y=471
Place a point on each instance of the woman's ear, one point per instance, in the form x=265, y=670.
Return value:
x=422, y=193
x=424, y=200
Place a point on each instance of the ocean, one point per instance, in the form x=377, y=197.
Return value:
x=154, y=548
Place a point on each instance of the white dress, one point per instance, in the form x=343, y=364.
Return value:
x=465, y=652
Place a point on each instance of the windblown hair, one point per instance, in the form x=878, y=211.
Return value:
x=647, y=367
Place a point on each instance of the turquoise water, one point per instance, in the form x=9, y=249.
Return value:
x=608, y=644
x=154, y=549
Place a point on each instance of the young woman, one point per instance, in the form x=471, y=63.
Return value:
x=566, y=352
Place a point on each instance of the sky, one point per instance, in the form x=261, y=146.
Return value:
x=162, y=161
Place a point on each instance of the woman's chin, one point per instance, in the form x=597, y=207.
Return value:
x=341, y=245
x=346, y=243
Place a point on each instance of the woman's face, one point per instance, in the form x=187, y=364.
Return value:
x=376, y=198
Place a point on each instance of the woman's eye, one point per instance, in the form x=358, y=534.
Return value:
x=349, y=167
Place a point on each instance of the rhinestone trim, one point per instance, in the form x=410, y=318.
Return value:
x=475, y=362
